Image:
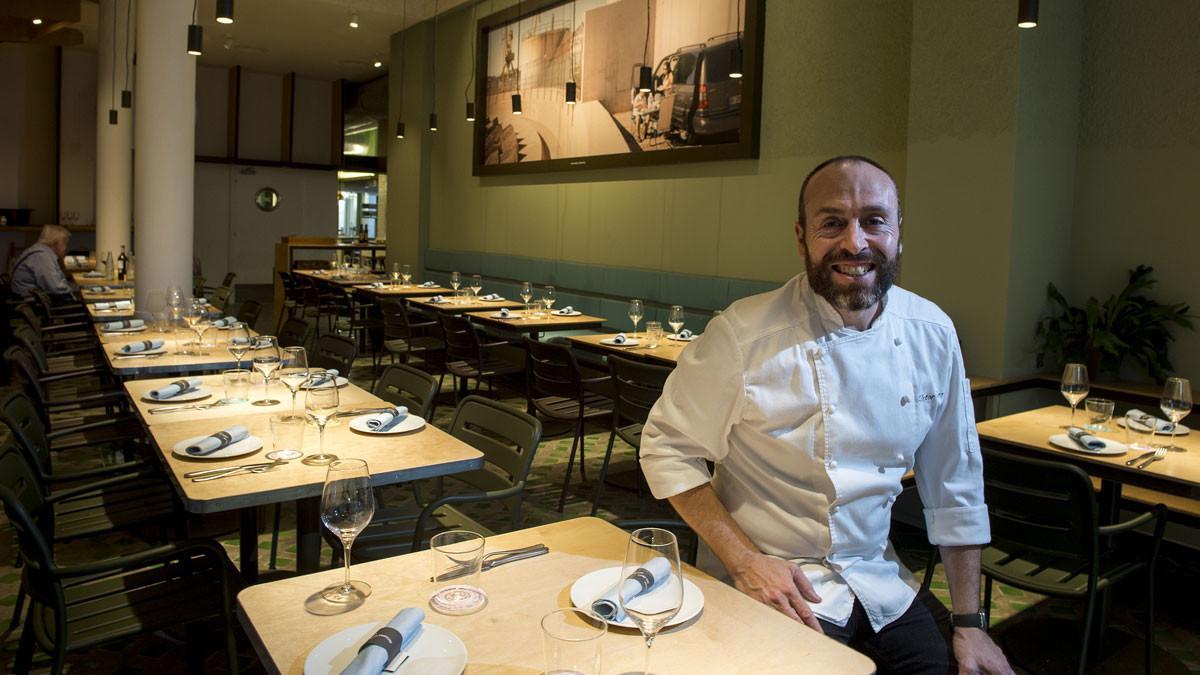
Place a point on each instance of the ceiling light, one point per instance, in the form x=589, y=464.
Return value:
x=735, y=62
x=112, y=116
x=195, y=40
x=1027, y=14
x=470, y=111
x=378, y=64
x=644, y=78
x=126, y=98
x=354, y=20
x=433, y=121
x=37, y=22
x=516, y=104
x=224, y=11
x=570, y=93
x=399, y=129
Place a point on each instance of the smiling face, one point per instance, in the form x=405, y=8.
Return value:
x=850, y=236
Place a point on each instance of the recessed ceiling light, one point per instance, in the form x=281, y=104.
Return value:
x=378, y=64
x=354, y=20
x=37, y=22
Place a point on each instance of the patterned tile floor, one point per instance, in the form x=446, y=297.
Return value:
x=1015, y=613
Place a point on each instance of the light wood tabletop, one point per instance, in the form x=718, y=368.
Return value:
x=521, y=322
x=666, y=353
x=213, y=359
x=341, y=280
x=83, y=279
x=1029, y=432
x=110, y=314
x=733, y=634
x=456, y=307
x=88, y=294
x=410, y=291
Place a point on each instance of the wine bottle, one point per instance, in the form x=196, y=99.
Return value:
x=122, y=264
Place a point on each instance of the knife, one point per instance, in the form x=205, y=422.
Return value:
x=204, y=472
x=501, y=558
x=177, y=408
x=362, y=411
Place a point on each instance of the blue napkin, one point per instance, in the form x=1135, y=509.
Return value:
x=221, y=439
x=143, y=346
x=386, y=644
x=565, y=310
x=93, y=275
x=504, y=313
x=384, y=421
x=619, y=339
x=491, y=296
x=119, y=304
x=429, y=284
x=174, y=389
x=123, y=323
x=1149, y=421
x=646, y=578
x=227, y=321
x=684, y=334
x=437, y=300
x=1085, y=440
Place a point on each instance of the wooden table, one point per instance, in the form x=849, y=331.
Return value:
x=666, y=353
x=87, y=294
x=454, y=307
x=102, y=315
x=344, y=280
x=425, y=453
x=733, y=634
x=214, y=358
x=412, y=290
x=82, y=280
x=518, y=323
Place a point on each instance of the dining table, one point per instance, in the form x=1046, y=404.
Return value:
x=84, y=279
x=110, y=314
x=425, y=452
x=94, y=294
x=524, y=322
x=452, y=305
x=172, y=359
x=341, y=279
x=398, y=291
x=666, y=353
x=728, y=632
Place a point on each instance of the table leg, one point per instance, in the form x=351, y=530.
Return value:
x=308, y=535
x=248, y=545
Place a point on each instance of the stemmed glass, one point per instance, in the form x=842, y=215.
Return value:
x=347, y=505
x=1074, y=385
x=455, y=282
x=395, y=274
x=405, y=275
x=197, y=318
x=476, y=285
x=321, y=403
x=266, y=360
x=293, y=371
x=548, y=297
x=653, y=609
x=526, y=294
x=239, y=342
x=636, y=312
x=675, y=319
x=1176, y=403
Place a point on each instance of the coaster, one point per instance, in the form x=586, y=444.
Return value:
x=458, y=599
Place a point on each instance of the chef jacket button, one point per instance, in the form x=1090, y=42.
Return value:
x=903, y=400
x=833, y=508
x=896, y=342
x=901, y=458
x=833, y=463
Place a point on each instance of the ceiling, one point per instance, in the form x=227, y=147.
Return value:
x=311, y=38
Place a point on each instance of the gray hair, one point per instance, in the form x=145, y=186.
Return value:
x=54, y=234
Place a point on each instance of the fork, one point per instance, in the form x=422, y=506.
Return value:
x=177, y=408
x=1159, y=453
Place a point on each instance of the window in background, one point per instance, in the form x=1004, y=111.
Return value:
x=358, y=204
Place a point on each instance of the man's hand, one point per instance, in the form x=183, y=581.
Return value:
x=977, y=654
x=779, y=584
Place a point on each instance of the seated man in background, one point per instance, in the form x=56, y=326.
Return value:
x=813, y=401
x=40, y=265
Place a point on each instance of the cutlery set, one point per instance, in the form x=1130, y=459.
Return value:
x=495, y=559
x=1148, y=458
x=178, y=408
x=226, y=471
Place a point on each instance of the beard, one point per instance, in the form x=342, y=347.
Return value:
x=853, y=298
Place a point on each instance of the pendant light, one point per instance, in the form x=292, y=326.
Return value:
x=1027, y=14
x=353, y=20
x=644, y=73
x=433, y=113
x=571, y=95
x=195, y=35
x=36, y=21
x=403, y=42
x=735, y=57
x=225, y=11
x=127, y=93
x=112, y=81
x=399, y=129
x=516, y=98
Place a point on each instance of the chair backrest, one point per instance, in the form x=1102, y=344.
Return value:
x=220, y=297
x=637, y=386
x=20, y=415
x=23, y=364
x=25, y=506
x=404, y=385
x=32, y=342
x=395, y=320
x=507, y=437
x=334, y=351
x=294, y=333
x=551, y=370
x=248, y=312
x=462, y=343
x=24, y=311
x=1040, y=506
x=228, y=281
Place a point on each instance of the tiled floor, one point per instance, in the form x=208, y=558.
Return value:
x=1177, y=631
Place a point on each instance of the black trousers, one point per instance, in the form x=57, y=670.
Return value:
x=917, y=643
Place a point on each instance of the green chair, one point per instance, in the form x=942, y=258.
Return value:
x=333, y=351
x=294, y=333
x=637, y=386
x=468, y=357
x=407, y=386
x=1046, y=539
x=21, y=416
x=248, y=312
x=406, y=336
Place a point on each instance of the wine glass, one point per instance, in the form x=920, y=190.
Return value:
x=266, y=360
x=321, y=404
x=636, y=312
x=1176, y=403
x=548, y=297
x=239, y=342
x=405, y=275
x=675, y=319
x=652, y=609
x=293, y=371
x=1074, y=385
x=455, y=282
x=395, y=274
x=526, y=294
x=476, y=285
x=347, y=505
x=197, y=318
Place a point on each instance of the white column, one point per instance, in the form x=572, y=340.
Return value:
x=165, y=138
x=114, y=142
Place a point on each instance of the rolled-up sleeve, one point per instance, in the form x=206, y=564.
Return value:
x=949, y=468
x=703, y=398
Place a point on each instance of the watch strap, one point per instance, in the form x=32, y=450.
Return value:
x=972, y=620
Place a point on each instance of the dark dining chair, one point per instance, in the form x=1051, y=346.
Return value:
x=334, y=351
x=468, y=357
x=636, y=387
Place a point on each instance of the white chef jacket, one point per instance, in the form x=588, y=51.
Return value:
x=812, y=425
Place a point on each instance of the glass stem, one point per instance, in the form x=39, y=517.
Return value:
x=346, y=586
x=293, y=415
x=266, y=382
x=321, y=440
x=1073, y=414
x=647, y=668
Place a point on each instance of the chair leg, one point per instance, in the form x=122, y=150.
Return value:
x=612, y=438
x=562, y=497
x=17, y=608
x=579, y=436
x=275, y=537
x=24, y=656
x=1087, y=630
x=1150, y=620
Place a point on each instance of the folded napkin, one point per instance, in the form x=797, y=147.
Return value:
x=491, y=296
x=620, y=339
x=101, y=289
x=93, y=275
x=1085, y=440
x=429, y=284
x=684, y=334
x=201, y=301
x=645, y=578
x=504, y=313
x=387, y=643
x=221, y=439
x=1160, y=426
x=321, y=379
x=241, y=341
x=174, y=389
x=565, y=310
x=436, y=300
x=377, y=284
x=123, y=323
x=143, y=346
x=226, y=321
x=119, y=304
x=384, y=421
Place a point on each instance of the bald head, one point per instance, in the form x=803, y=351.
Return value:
x=831, y=165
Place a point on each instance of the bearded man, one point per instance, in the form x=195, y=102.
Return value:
x=813, y=401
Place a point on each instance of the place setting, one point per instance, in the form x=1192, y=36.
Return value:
x=123, y=326
x=384, y=422
x=145, y=349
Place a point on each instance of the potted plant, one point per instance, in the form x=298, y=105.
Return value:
x=1103, y=335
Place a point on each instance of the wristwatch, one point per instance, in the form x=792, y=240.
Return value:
x=972, y=620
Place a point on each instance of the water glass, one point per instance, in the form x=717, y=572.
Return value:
x=1099, y=412
x=406, y=275
x=287, y=435
x=1138, y=437
x=654, y=334
x=455, y=552
x=652, y=611
x=237, y=385
x=571, y=638
x=321, y=404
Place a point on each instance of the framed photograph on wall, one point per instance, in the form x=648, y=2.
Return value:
x=585, y=84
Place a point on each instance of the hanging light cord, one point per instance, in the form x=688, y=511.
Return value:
x=193, y=11
x=128, y=7
x=403, y=41
x=572, y=74
x=435, y=23
x=467, y=90
x=646, y=44
x=737, y=24
x=112, y=82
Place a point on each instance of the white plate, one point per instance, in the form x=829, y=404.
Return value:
x=437, y=651
x=491, y=299
x=567, y=314
x=1180, y=430
x=498, y=315
x=409, y=423
x=198, y=395
x=146, y=352
x=675, y=337
x=594, y=584
x=123, y=330
x=1110, y=447
x=246, y=446
x=341, y=382
x=627, y=343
